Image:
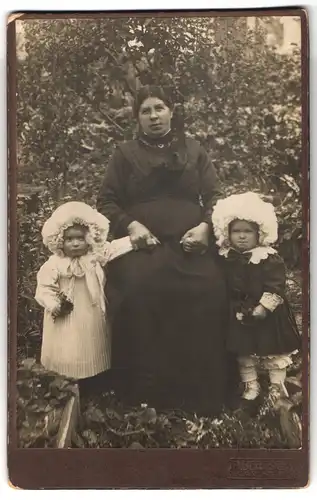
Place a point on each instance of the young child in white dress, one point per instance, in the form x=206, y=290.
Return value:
x=70, y=286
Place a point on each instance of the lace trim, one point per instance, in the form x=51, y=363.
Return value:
x=258, y=253
x=271, y=301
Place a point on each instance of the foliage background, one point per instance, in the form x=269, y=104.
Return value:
x=76, y=80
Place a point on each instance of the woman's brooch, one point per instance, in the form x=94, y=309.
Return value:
x=161, y=146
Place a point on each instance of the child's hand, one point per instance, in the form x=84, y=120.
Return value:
x=56, y=310
x=259, y=312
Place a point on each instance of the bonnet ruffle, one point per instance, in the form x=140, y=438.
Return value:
x=68, y=214
x=249, y=207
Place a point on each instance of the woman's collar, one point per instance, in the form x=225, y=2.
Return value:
x=161, y=141
x=256, y=254
x=160, y=137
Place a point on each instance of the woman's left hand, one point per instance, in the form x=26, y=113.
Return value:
x=196, y=239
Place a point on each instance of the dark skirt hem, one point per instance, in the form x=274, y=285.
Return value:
x=277, y=334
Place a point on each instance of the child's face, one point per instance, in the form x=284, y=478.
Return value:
x=243, y=235
x=75, y=244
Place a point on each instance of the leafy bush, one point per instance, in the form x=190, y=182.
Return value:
x=75, y=90
x=42, y=396
x=109, y=424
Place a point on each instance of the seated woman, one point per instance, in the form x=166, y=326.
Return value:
x=168, y=300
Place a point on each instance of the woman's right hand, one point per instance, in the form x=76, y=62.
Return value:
x=141, y=237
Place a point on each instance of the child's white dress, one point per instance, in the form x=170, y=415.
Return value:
x=79, y=344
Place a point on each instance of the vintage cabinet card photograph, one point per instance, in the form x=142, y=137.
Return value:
x=159, y=265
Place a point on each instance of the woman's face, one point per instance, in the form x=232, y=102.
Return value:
x=243, y=235
x=75, y=244
x=155, y=117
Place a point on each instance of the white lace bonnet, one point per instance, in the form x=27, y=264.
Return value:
x=68, y=214
x=249, y=207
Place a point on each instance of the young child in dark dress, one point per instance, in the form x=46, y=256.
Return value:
x=262, y=327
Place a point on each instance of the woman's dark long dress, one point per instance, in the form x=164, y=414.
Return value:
x=168, y=308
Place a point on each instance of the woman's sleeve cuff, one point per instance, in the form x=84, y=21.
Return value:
x=124, y=221
x=271, y=301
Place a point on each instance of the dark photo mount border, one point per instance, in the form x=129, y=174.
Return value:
x=152, y=468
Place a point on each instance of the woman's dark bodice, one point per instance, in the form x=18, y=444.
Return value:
x=153, y=173
x=141, y=178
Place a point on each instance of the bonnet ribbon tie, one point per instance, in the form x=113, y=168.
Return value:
x=79, y=268
x=235, y=256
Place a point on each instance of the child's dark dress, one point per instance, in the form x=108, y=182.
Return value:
x=277, y=333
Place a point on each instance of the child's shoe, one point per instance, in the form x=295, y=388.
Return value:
x=252, y=390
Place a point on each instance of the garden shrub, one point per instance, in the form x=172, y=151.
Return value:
x=42, y=396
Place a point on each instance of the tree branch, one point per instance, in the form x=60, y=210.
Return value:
x=111, y=120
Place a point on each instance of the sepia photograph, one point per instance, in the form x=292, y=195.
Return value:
x=161, y=232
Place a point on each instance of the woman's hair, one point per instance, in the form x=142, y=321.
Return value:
x=151, y=91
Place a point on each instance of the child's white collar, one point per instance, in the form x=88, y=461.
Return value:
x=258, y=253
